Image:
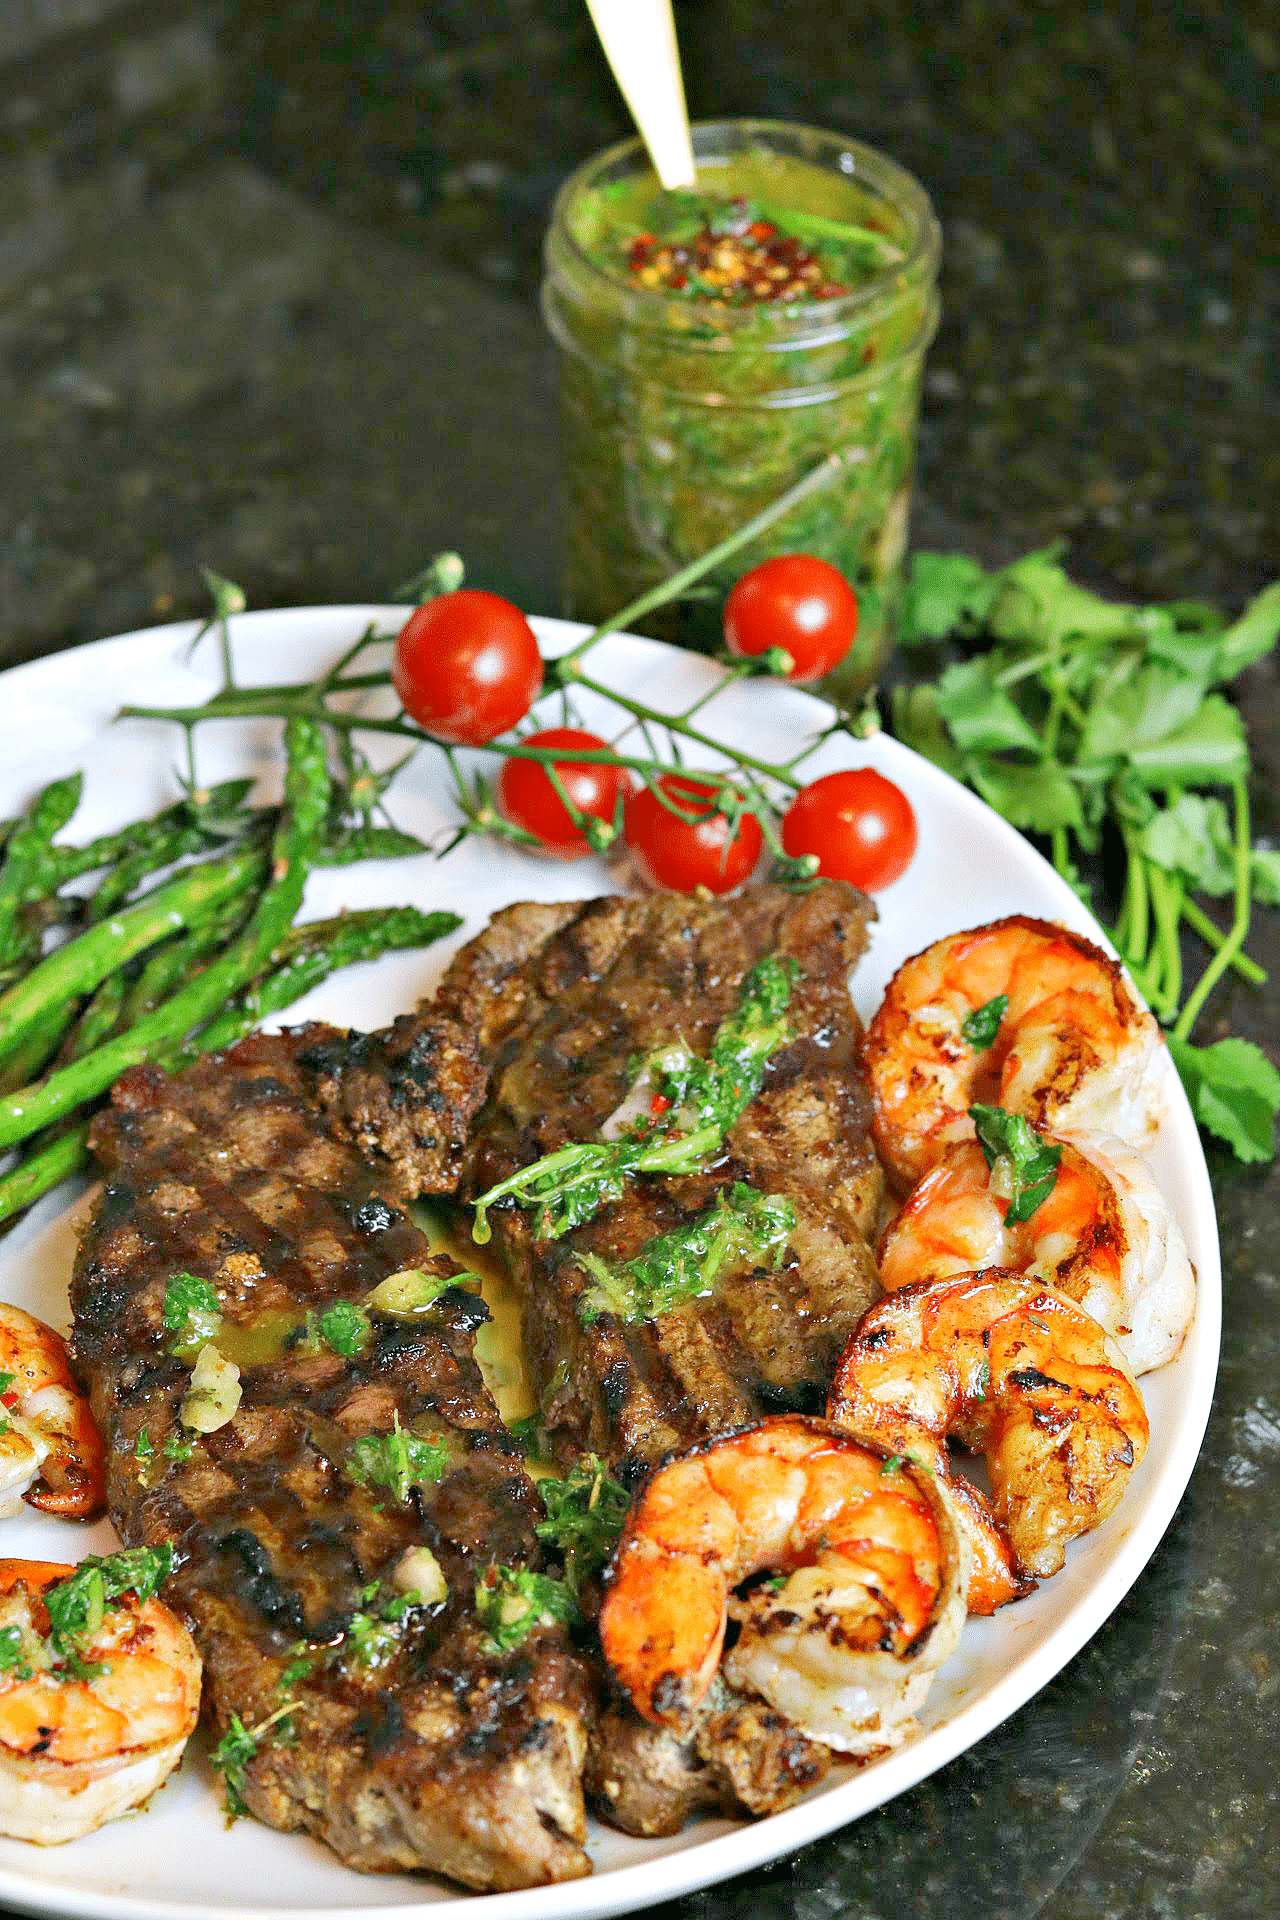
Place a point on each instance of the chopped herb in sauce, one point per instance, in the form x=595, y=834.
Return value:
x=703, y=1100
x=345, y=1328
x=742, y=1225
x=398, y=1460
x=12, y=1653
x=1024, y=1165
x=237, y=1747
x=77, y=1605
x=191, y=1311
x=585, y=1512
x=512, y=1601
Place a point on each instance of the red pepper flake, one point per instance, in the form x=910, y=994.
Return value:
x=753, y=262
x=659, y=1103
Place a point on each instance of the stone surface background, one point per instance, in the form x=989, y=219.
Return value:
x=268, y=301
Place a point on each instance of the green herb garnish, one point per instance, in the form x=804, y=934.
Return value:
x=983, y=1024
x=237, y=1748
x=1083, y=717
x=512, y=1601
x=176, y=1448
x=345, y=1328
x=144, y=1446
x=12, y=1655
x=681, y=1265
x=706, y=1097
x=1024, y=1165
x=76, y=1605
x=191, y=1311
x=398, y=1460
x=585, y=1512
x=375, y=1632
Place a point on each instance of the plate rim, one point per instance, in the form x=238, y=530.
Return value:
x=745, y=1846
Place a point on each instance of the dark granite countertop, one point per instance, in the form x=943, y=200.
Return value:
x=267, y=301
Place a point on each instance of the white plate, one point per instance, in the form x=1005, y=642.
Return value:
x=178, y=1861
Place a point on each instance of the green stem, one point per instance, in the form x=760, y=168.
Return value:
x=1239, y=929
x=823, y=475
x=1166, y=905
x=1198, y=920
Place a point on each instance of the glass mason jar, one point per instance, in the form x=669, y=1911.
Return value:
x=686, y=415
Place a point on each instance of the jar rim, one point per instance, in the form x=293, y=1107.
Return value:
x=646, y=307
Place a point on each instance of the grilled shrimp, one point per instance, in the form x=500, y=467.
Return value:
x=1073, y=1050
x=51, y=1453
x=1104, y=1237
x=83, y=1742
x=869, y=1600
x=1016, y=1372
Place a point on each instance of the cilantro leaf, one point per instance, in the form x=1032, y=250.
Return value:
x=191, y=1311
x=1252, y=636
x=399, y=1460
x=983, y=1024
x=345, y=1328
x=945, y=591
x=76, y=1605
x=1209, y=749
x=512, y=1601
x=980, y=715
x=1037, y=799
x=1024, y=1166
x=1234, y=1092
x=585, y=1512
x=741, y=1225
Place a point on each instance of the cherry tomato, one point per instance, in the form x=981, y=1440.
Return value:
x=682, y=854
x=797, y=602
x=527, y=798
x=858, y=823
x=467, y=666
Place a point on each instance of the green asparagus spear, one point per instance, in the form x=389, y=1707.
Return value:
x=56, y=1159
x=34, y=1053
x=24, y=852
x=310, y=955
x=165, y=970
x=306, y=802
x=99, y=1018
x=211, y=814
x=79, y=965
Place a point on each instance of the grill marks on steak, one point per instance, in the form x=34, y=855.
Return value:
x=443, y=1755
x=619, y=979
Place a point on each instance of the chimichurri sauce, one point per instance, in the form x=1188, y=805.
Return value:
x=719, y=343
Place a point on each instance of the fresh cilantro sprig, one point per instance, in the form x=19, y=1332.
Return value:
x=512, y=1601
x=585, y=1512
x=704, y=1099
x=1024, y=1165
x=678, y=1266
x=1080, y=718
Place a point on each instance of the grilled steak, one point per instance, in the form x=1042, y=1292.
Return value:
x=532, y=1044
x=542, y=1019
x=404, y=1739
